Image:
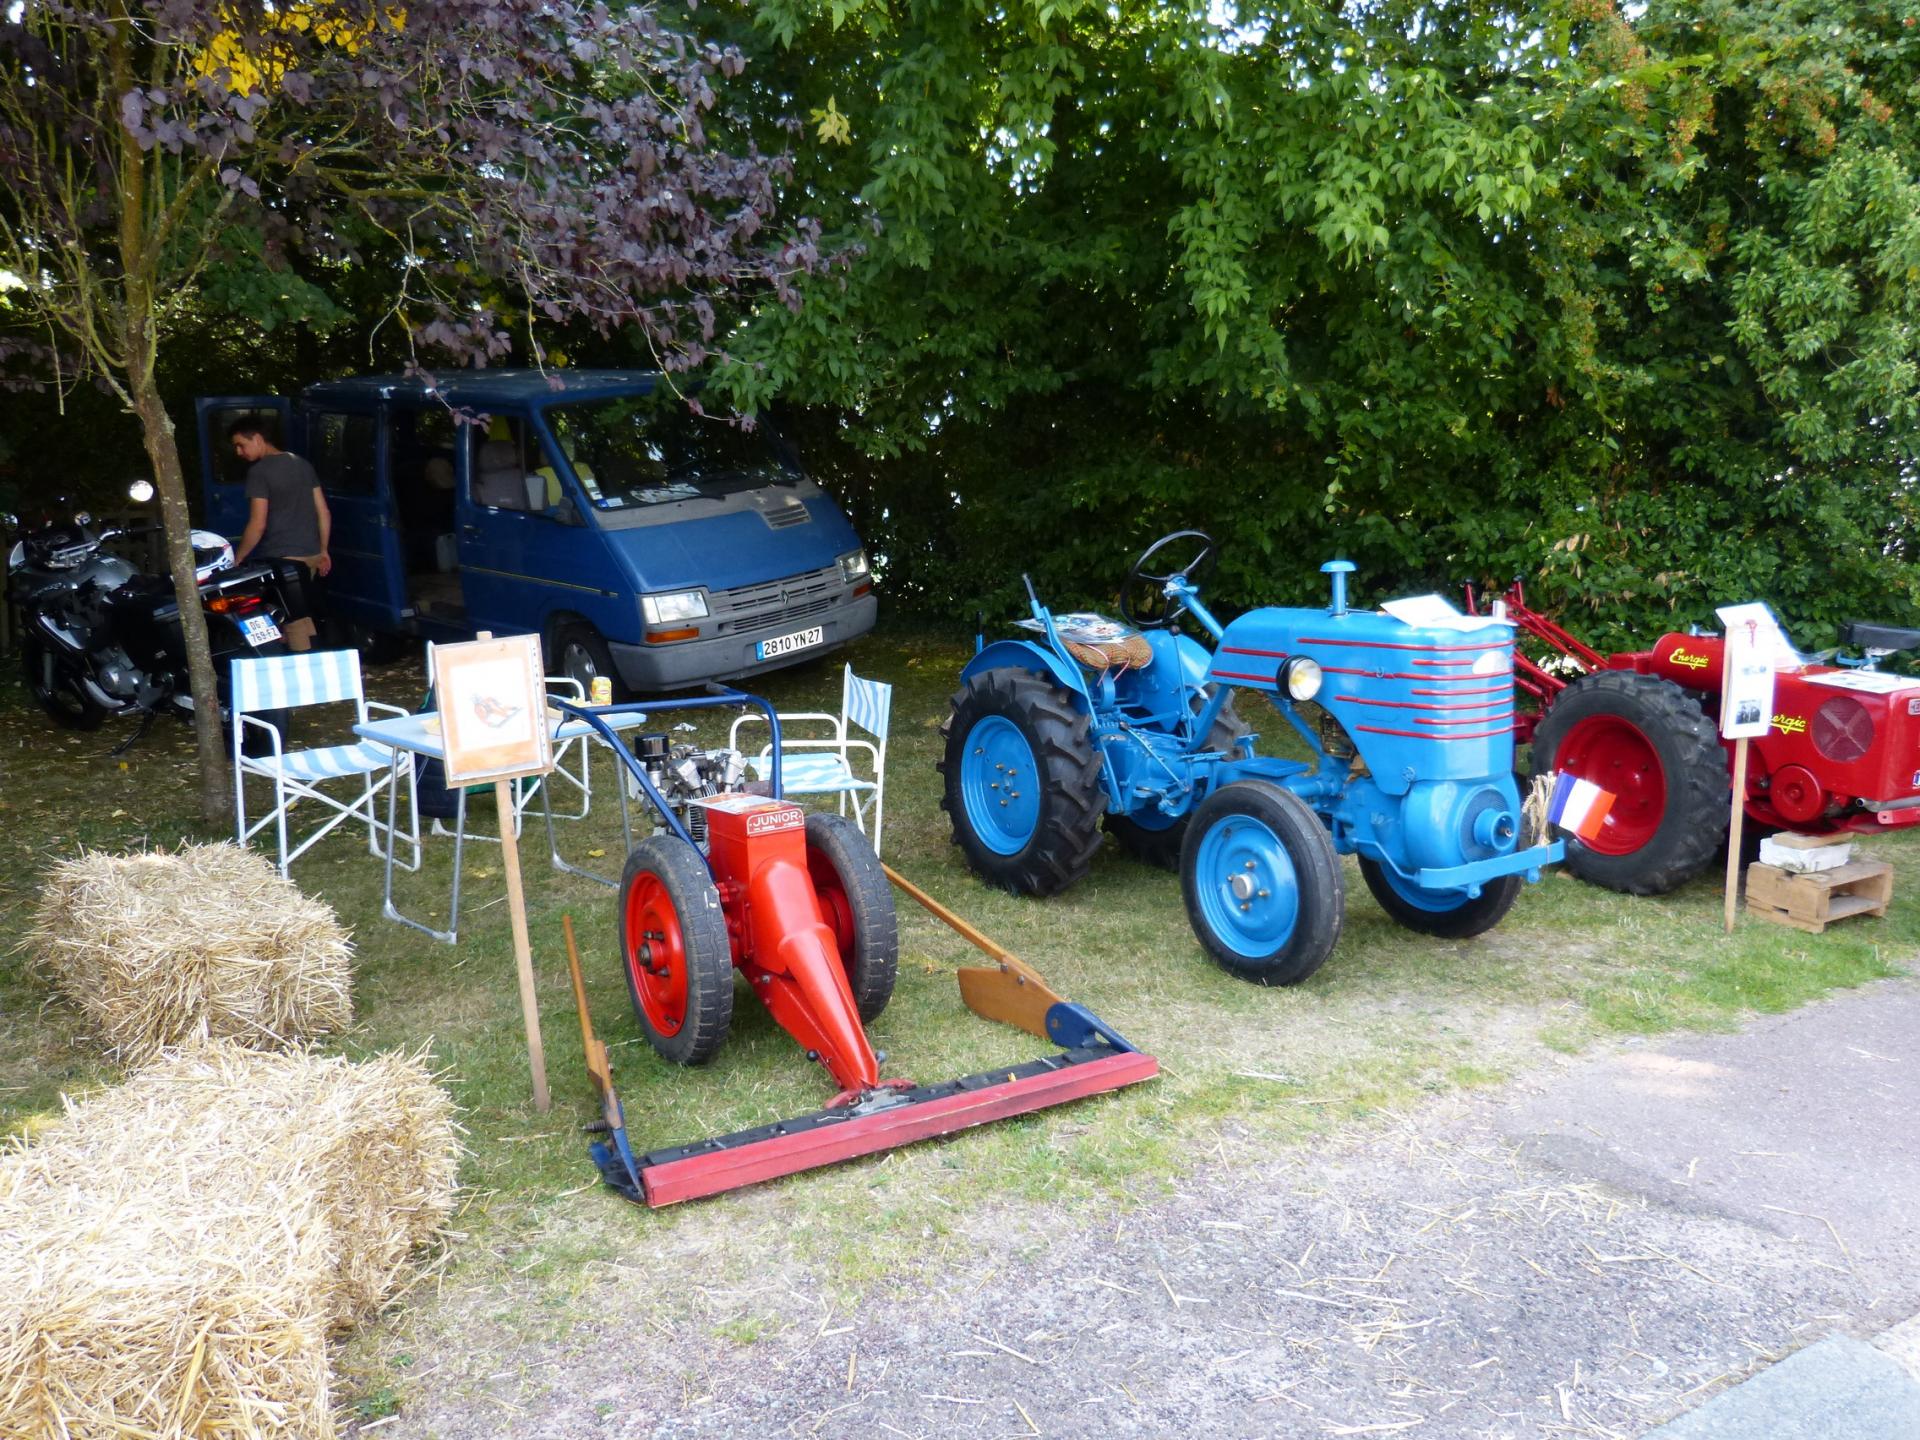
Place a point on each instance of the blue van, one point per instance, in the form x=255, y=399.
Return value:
x=640, y=540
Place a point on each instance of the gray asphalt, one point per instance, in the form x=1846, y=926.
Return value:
x=1591, y=1251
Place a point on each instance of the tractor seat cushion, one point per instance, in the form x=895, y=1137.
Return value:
x=1868, y=636
x=1099, y=643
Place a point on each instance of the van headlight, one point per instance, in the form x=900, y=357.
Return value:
x=1299, y=678
x=674, y=605
x=853, y=568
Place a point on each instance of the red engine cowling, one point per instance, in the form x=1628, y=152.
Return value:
x=1843, y=751
x=1690, y=661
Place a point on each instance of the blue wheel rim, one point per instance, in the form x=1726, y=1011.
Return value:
x=1434, y=902
x=1248, y=888
x=1000, y=785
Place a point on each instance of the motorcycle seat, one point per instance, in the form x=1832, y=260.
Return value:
x=1865, y=635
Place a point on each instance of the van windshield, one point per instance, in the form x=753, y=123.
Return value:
x=652, y=450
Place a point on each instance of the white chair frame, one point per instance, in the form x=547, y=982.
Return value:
x=287, y=788
x=865, y=798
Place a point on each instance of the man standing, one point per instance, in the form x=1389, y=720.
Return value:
x=287, y=520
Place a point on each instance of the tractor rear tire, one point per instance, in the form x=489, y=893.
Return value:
x=674, y=950
x=1160, y=845
x=1648, y=742
x=1017, y=743
x=1258, y=838
x=856, y=901
x=1434, y=917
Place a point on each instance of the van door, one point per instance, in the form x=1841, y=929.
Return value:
x=527, y=552
x=347, y=449
x=223, y=474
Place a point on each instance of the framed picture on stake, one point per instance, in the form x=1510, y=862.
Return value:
x=493, y=708
x=1755, y=647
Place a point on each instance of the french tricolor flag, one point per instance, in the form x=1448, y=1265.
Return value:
x=1579, y=806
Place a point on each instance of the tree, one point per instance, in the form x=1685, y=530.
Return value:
x=512, y=163
x=1453, y=290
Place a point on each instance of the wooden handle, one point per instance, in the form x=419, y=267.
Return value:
x=598, y=1064
x=962, y=928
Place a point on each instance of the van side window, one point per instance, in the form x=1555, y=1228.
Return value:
x=342, y=447
x=498, y=474
x=512, y=471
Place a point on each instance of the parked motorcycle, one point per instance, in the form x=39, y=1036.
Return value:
x=100, y=639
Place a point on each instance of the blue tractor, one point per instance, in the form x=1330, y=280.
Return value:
x=1134, y=723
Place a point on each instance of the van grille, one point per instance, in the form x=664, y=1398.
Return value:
x=787, y=516
x=797, y=596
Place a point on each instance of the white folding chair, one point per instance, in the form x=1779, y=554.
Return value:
x=294, y=682
x=567, y=755
x=824, y=764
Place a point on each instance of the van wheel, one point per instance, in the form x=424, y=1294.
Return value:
x=580, y=654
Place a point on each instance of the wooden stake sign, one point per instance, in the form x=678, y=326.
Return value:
x=1754, y=647
x=493, y=721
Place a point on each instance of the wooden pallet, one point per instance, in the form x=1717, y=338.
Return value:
x=1815, y=900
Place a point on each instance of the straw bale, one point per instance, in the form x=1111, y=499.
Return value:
x=188, y=1240
x=118, y=1318
x=205, y=942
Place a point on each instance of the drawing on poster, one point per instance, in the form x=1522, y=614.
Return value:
x=492, y=706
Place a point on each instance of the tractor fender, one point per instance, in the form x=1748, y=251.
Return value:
x=1025, y=655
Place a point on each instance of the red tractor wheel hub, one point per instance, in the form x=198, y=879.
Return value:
x=656, y=954
x=1618, y=757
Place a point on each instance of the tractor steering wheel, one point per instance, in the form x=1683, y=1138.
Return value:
x=1144, y=603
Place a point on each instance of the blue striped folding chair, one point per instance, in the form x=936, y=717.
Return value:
x=293, y=682
x=825, y=764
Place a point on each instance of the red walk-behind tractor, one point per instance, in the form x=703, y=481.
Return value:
x=801, y=907
x=1843, y=752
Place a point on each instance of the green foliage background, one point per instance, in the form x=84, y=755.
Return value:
x=1628, y=306
x=1458, y=292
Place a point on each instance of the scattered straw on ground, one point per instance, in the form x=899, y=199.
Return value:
x=206, y=942
x=182, y=1246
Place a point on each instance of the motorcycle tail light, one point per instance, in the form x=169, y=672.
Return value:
x=234, y=604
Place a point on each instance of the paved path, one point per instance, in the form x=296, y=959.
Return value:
x=1588, y=1252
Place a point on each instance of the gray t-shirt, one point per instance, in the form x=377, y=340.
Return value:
x=286, y=483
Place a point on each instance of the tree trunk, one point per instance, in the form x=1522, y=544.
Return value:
x=156, y=427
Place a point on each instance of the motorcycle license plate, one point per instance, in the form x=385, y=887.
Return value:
x=786, y=644
x=259, y=629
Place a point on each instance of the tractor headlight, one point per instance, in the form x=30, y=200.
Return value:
x=1299, y=678
x=674, y=605
x=853, y=568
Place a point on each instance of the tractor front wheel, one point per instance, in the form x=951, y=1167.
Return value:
x=1022, y=782
x=1646, y=742
x=1449, y=914
x=857, y=903
x=1153, y=837
x=674, y=950
x=1262, y=883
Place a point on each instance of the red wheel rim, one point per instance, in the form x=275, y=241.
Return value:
x=650, y=935
x=1617, y=756
x=835, y=908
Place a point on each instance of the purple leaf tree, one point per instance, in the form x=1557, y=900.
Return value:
x=525, y=164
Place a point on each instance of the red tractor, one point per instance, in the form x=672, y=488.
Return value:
x=1843, y=752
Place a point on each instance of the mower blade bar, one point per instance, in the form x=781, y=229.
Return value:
x=709, y=1167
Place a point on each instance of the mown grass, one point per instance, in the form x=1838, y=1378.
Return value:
x=1392, y=1016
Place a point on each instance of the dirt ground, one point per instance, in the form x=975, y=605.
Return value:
x=1586, y=1251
